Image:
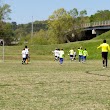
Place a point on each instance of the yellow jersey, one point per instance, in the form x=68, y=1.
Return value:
x=71, y=52
x=105, y=47
x=85, y=53
x=80, y=51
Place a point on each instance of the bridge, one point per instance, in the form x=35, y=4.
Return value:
x=94, y=29
x=97, y=25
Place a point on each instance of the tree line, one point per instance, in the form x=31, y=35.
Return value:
x=60, y=27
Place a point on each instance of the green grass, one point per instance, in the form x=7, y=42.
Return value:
x=105, y=35
x=46, y=85
x=44, y=52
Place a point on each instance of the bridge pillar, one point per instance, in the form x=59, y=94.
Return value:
x=93, y=31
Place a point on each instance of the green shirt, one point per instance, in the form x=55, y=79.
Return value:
x=80, y=51
x=61, y=54
x=85, y=53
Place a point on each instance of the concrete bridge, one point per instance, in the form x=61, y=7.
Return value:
x=96, y=28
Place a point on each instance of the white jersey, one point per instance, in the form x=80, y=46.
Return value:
x=23, y=54
x=27, y=50
x=56, y=53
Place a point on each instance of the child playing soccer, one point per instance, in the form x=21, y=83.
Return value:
x=23, y=56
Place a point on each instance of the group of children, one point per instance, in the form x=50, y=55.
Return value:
x=82, y=54
x=25, y=55
x=59, y=55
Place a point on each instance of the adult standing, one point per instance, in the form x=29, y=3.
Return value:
x=27, y=54
x=105, y=48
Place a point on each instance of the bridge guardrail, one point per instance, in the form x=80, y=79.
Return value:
x=94, y=24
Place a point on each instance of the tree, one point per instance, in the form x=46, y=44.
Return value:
x=100, y=15
x=6, y=31
x=79, y=18
x=40, y=37
x=59, y=23
x=4, y=12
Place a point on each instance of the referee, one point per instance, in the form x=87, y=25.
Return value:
x=105, y=48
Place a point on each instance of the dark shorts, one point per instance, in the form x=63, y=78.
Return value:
x=71, y=55
x=27, y=56
x=24, y=59
x=104, y=55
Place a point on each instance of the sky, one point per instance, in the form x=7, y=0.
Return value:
x=25, y=11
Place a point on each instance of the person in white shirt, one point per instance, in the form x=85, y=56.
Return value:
x=23, y=56
x=27, y=54
x=56, y=54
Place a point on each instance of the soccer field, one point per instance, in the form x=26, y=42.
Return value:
x=47, y=85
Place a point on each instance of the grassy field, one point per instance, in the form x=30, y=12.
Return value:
x=47, y=85
x=44, y=84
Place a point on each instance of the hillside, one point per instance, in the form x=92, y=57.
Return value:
x=44, y=52
x=105, y=35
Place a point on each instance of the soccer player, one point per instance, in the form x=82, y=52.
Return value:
x=85, y=54
x=56, y=54
x=27, y=54
x=61, y=56
x=23, y=56
x=80, y=51
x=71, y=53
x=105, y=48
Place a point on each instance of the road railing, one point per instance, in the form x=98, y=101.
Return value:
x=94, y=24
